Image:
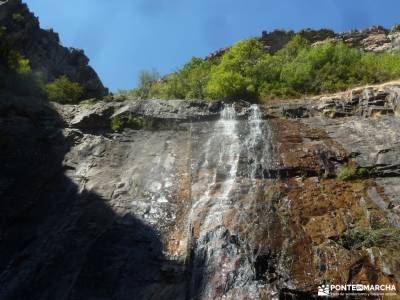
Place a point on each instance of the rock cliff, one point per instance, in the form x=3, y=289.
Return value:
x=191, y=200
x=43, y=49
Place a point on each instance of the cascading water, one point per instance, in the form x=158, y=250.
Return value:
x=219, y=262
x=225, y=137
x=221, y=162
x=258, y=145
x=253, y=141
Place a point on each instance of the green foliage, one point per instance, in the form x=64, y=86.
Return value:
x=187, y=83
x=18, y=18
x=116, y=123
x=18, y=63
x=63, y=90
x=10, y=58
x=347, y=172
x=366, y=172
x=358, y=238
x=237, y=75
x=146, y=81
x=16, y=75
x=350, y=171
x=246, y=71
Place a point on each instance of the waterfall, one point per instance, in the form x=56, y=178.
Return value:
x=216, y=260
x=254, y=142
x=222, y=153
x=224, y=142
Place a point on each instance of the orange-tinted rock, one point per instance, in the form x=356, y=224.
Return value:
x=305, y=149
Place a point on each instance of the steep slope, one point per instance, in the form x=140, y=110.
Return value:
x=43, y=49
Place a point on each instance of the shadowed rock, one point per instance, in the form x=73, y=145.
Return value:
x=43, y=49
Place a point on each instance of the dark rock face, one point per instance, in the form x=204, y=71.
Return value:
x=61, y=240
x=43, y=49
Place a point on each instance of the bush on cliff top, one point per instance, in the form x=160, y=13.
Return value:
x=246, y=71
x=63, y=90
x=190, y=82
x=146, y=79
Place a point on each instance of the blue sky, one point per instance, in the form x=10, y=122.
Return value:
x=122, y=37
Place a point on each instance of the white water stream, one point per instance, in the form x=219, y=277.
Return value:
x=229, y=139
x=253, y=142
x=224, y=166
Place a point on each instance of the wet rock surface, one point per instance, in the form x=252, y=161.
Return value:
x=201, y=201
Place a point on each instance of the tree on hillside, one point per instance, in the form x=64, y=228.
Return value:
x=146, y=80
x=235, y=77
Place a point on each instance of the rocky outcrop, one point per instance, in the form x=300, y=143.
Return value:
x=277, y=39
x=373, y=39
x=361, y=120
x=43, y=49
x=197, y=200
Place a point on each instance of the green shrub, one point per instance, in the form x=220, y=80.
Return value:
x=17, y=62
x=364, y=172
x=347, y=172
x=116, y=123
x=18, y=76
x=359, y=238
x=237, y=75
x=63, y=90
x=246, y=71
x=187, y=83
x=146, y=80
x=350, y=171
x=18, y=18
